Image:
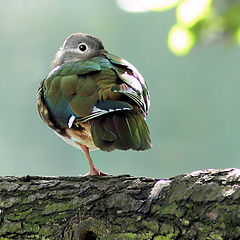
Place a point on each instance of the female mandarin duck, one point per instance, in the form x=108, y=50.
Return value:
x=94, y=100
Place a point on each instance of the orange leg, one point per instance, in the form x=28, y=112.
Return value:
x=93, y=170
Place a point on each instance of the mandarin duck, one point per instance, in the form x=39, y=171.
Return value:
x=94, y=100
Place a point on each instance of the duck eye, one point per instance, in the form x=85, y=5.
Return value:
x=82, y=47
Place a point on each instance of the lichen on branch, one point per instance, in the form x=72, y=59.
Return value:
x=198, y=205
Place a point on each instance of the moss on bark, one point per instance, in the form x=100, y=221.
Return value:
x=200, y=205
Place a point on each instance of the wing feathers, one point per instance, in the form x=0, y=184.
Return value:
x=128, y=127
x=104, y=107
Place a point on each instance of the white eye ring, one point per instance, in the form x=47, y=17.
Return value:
x=83, y=47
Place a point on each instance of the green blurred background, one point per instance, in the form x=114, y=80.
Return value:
x=194, y=117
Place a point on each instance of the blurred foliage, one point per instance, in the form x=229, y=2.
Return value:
x=197, y=21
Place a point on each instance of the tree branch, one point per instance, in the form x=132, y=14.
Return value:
x=198, y=205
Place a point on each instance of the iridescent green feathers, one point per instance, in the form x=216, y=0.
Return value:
x=121, y=130
x=103, y=91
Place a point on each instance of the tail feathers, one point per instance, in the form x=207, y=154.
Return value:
x=123, y=130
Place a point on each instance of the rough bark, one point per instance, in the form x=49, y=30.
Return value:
x=198, y=205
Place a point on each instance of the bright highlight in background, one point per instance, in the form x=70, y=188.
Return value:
x=191, y=11
x=146, y=5
x=238, y=36
x=180, y=40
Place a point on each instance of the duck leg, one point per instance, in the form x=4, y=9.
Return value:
x=93, y=170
